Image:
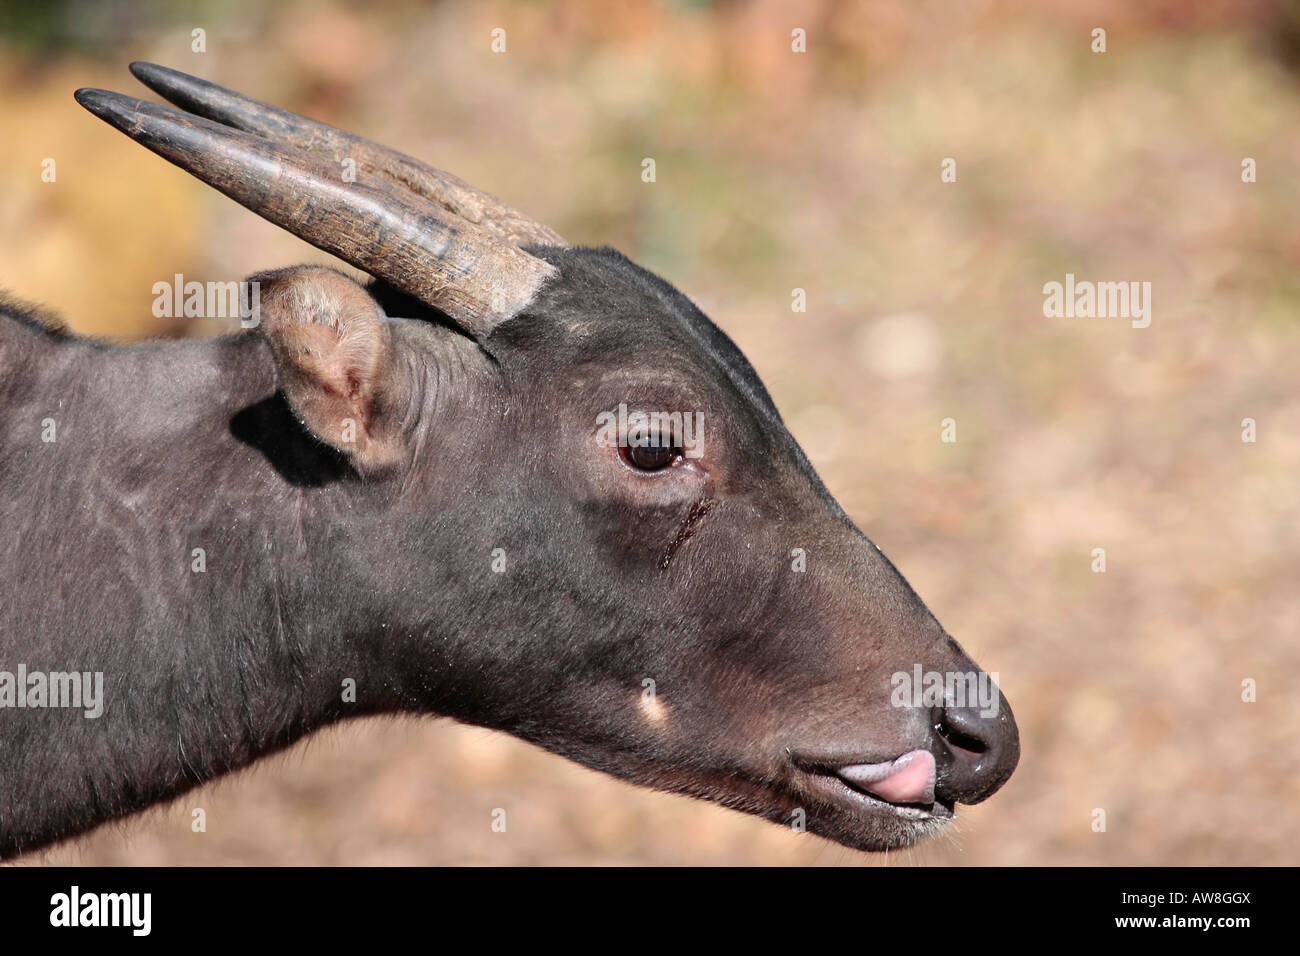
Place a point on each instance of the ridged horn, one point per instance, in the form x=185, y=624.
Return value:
x=424, y=231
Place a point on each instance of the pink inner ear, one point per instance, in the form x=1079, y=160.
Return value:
x=333, y=346
x=341, y=362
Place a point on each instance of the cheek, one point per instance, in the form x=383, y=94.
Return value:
x=731, y=568
x=633, y=537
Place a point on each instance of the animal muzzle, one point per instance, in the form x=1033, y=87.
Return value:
x=971, y=753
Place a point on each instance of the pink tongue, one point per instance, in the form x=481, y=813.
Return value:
x=909, y=779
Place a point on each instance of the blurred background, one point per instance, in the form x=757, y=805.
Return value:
x=820, y=170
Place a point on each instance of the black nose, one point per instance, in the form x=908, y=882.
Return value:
x=975, y=751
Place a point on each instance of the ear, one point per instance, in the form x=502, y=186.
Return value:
x=337, y=367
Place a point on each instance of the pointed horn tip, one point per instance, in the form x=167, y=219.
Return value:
x=97, y=101
x=190, y=93
x=116, y=109
x=88, y=95
x=153, y=75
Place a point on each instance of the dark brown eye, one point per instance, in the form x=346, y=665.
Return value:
x=651, y=457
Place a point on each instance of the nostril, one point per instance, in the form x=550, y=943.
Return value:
x=968, y=729
x=957, y=738
x=977, y=751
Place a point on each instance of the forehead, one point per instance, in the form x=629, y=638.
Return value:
x=607, y=320
x=606, y=313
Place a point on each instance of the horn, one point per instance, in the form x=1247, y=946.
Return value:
x=280, y=126
x=418, y=233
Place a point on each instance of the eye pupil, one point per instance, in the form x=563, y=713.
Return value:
x=651, y=457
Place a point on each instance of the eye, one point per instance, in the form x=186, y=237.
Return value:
x=651, y=457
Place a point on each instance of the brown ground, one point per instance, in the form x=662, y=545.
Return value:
x=821, y=171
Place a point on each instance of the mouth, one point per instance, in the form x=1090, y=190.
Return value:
x=901, y=788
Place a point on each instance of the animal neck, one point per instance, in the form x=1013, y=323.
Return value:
x=170, y=543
